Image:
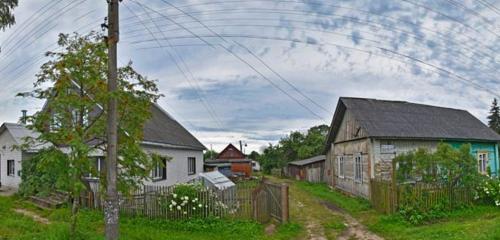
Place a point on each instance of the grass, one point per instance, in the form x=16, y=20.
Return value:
x=91, y=226
x=310, y=213
x=480, y=222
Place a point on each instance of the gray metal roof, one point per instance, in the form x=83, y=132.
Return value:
x=398, y=119
x=315, y=159
x=162, y=128
x=19, y=132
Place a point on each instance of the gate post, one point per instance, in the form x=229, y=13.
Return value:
x=284, y=203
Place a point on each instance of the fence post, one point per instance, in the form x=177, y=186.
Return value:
x=284, y=203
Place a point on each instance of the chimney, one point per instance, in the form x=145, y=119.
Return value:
x=24, y=116
x=241, y=147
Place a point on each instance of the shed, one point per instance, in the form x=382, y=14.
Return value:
x=311, y=169
x=216, y=179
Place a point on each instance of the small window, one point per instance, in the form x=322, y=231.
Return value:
x=340, y=162
x=191, y=165
x=10, y=168
x=482, y=163
x=160, y=171
x=358, y=168
x=97, y=167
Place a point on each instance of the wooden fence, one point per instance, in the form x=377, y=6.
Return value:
x=387, y=197
x=237, y=203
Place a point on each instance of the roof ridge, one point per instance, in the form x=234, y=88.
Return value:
x=403, y=102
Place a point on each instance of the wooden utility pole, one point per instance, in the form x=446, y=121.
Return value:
x=111, y=208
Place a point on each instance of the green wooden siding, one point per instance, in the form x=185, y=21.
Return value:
x=490, y=148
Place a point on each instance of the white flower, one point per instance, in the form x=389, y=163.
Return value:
x=497, y=202
x=185, y=213
x=196, y=199
x=175, y=195
x=174, y=203
x=178, y=207
x=194, y=208
x=199, y=205
x=186, y=197
x=193, y=200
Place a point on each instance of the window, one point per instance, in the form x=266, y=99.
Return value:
x=358, y=168
x=97, y=167
x=340, y=162
x=10, y=168
x=160, y=171
x=191, y=165
x=482, y=162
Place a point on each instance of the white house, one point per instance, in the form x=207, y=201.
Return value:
x=163, y=135
x=12, y=134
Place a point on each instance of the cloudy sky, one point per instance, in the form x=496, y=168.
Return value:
x=255, y=70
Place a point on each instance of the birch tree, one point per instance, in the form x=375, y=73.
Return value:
x=73, y=121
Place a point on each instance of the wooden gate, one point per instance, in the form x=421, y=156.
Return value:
x=270, y=201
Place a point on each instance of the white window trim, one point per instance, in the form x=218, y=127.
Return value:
x=482, y=162
x=13, y=173
x=358, y=168
x=157, y=172
x=340, y=166
x=189, y=166
x=99, y=168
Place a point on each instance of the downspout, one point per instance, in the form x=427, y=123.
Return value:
x=497, y=160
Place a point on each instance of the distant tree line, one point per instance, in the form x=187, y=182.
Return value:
x=295, y=146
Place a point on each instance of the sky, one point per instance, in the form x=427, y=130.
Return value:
x=254, y=71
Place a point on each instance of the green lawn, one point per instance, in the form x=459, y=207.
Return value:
x=480, y=222
x=16, y=226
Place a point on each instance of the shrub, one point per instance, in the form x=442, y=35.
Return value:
x=184, y=201
x=415, y=214
x=489, y=191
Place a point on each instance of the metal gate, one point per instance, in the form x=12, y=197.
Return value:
x=270, y=201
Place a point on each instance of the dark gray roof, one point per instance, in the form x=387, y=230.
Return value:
x=164, y=129
x=315, y=159
x=398, y=119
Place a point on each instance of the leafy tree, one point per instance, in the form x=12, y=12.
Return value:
x=6, y=17
x=73, y=122
x=210, y=154
x=453, y=167
x=494, y=117
x=254, y=155
x=295, y=146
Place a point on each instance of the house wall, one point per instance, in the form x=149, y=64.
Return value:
x=490, y=148
x=384, y=151
x=6, y=153
x=177, y=167
x=349, y=150
x=243, y=167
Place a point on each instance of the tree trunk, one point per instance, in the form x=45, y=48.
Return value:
x=74, y=214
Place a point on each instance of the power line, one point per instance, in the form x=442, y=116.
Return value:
x=440, y=69
x=324, y=14
x=210, y=110
x=252, y=67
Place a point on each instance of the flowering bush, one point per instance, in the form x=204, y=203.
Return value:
x=489, y=191
x=185, y=200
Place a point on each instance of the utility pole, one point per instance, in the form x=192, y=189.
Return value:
x=111, y=208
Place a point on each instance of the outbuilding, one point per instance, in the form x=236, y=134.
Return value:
x=311, y=169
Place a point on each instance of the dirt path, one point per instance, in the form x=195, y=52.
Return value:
x=33, y=215
x=354, y=230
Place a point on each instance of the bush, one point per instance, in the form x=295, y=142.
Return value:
x=184, y=200
x=489, y=191
x=415, y=214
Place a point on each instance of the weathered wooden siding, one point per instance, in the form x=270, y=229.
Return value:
x=329, y=167
x=385, y=150
x=349, y=150
x=349, y=129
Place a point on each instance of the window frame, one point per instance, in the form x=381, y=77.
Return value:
x=11, y=168
x=159, y=172
x=482, y=162
x=358, y=168
x=340, y=166
x=100, y=165
x=191, y=167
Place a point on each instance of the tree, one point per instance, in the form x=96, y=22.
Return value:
x=6, y=17
x=254, y=155
x=494, y=117
x=210, y=154
x=73, y=121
